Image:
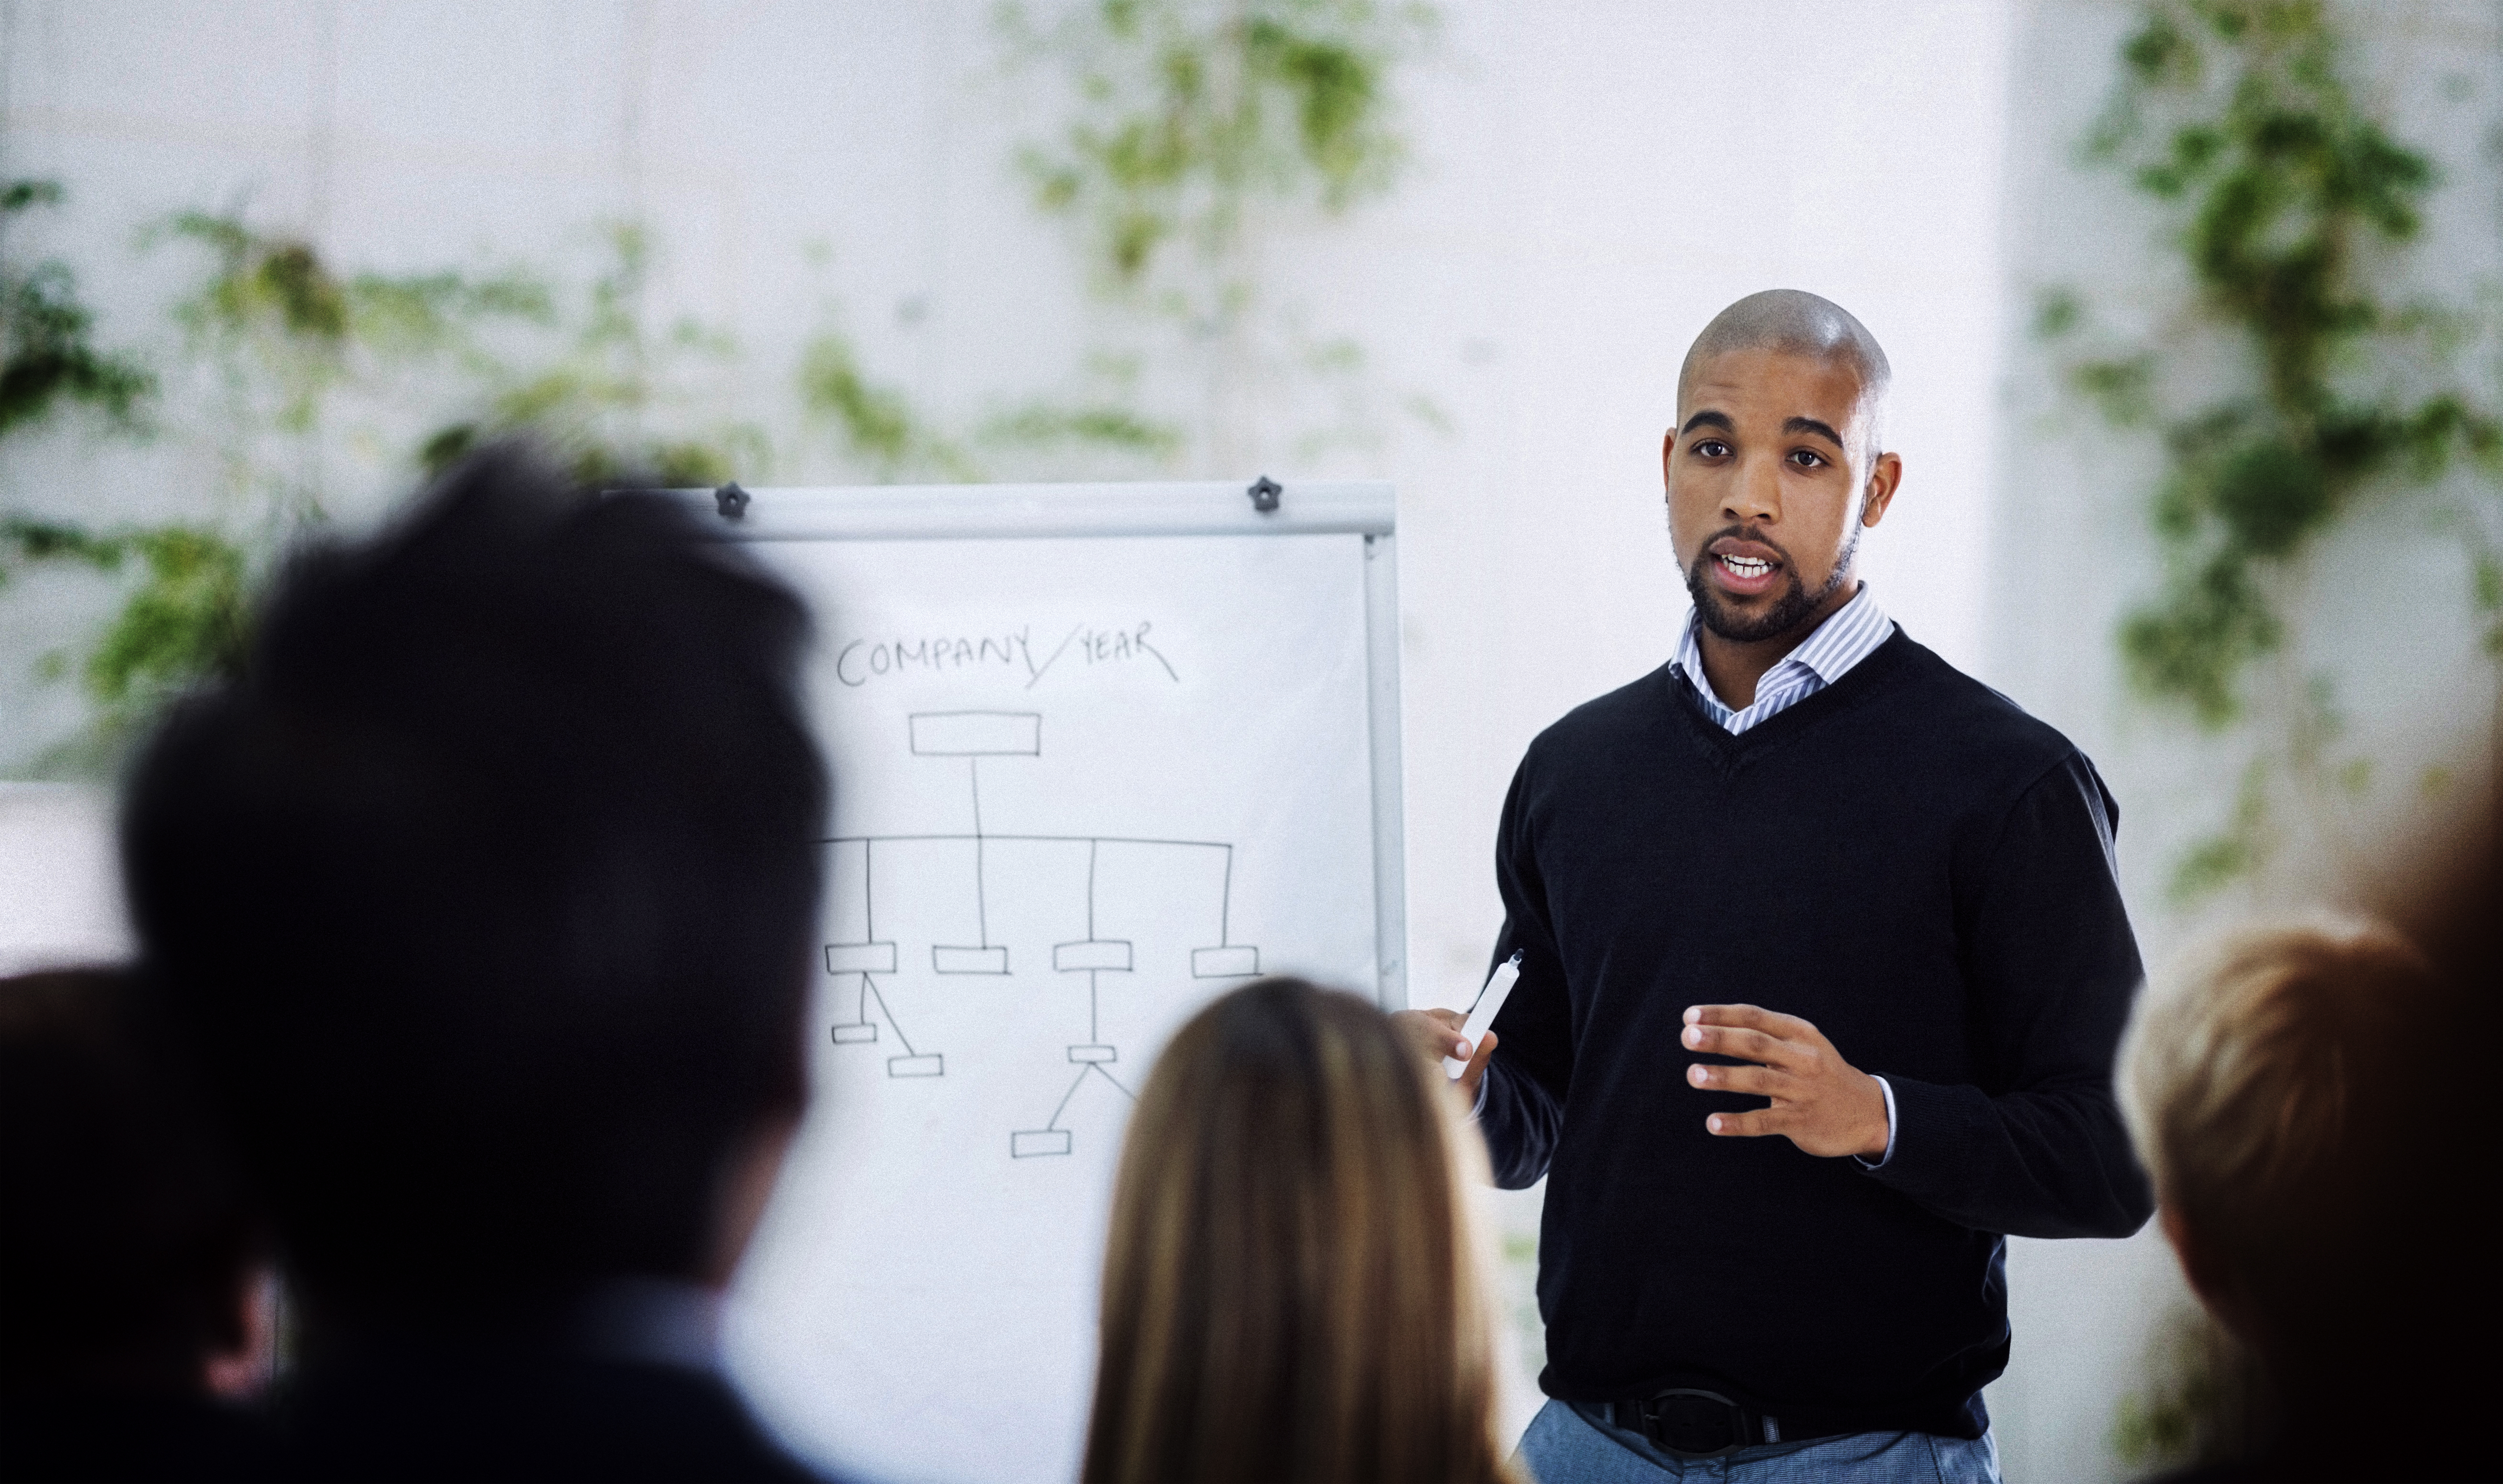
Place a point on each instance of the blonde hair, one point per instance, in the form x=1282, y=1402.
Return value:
x=1291, y=1287
x=2263, y=1081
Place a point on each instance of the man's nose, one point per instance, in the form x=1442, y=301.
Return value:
x=1755, y=495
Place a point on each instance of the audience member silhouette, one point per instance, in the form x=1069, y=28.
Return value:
x=1291, y=1288
x=2308, y=1098
x=486, y=893
x=129, y=1257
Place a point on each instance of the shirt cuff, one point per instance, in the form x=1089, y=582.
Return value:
x=1877, y=1163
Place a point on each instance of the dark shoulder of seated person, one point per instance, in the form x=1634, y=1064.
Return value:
x=127, y=1257
x=486, y=891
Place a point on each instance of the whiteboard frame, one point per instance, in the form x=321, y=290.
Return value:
x=929, y=512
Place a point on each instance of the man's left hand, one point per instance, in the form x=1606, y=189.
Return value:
x=1820, y=1103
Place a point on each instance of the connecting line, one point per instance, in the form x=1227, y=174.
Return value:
x=869, y=898
x=890, y=1016
x=1225, y=903
x=982, y=908
x=1093, y=846
x=861, y=1016
x=1091, y=1069
x=1066, y=1096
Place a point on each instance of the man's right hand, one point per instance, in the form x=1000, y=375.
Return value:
x=1436, y=1034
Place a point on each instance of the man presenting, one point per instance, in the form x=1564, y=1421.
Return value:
x=1823, y=965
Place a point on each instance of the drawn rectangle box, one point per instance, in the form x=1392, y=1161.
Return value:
x=845, y=1035
x=1094, y=1053
x=1232, y=962
x=1091, y=953
x=967, y=961
x=977, y=734
x=933, y=1065
x=1038, y=1141
x=860, y=958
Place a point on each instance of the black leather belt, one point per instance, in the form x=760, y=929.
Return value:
x=1699, y=1423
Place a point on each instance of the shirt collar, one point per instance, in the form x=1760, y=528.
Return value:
x=1849, y=635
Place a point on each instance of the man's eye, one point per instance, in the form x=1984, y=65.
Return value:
x=1711, y=448
x=1806, y=458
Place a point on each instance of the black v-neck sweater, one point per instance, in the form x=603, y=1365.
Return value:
x=1925, y=872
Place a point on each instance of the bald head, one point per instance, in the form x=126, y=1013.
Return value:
x=1797, y=323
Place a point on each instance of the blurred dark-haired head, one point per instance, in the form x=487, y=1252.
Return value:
x=484, y=893
x=127, y=1248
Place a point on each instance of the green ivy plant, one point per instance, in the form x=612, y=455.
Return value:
x=2291, y=206
x=609, y=394
x=877, y=424
x=882, y=431
x=1189, y=129
x=281, y=327
x=273, y=342
x=882, y=436
x=306, y=384
x=1190, y=115
x=2206, y=1403
x=48, y=355
x=50, y=364
x=185, y=618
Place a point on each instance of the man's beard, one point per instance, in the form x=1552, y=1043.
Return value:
x=1791, y=609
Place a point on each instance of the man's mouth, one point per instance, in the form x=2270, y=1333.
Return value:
x=1747, y=567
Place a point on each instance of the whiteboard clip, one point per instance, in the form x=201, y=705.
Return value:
x=1264, y=493
x=731, y=500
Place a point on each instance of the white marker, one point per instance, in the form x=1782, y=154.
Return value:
x=1499, y=988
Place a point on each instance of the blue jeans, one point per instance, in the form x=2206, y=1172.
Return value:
x=1565, y=1445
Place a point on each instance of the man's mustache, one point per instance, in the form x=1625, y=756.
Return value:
x=1704, y=553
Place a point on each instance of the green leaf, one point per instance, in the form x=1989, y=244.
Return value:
x=2486, y=583
x=2190, y=645
x=48, y=355
x=1044, y=424
x=2122, y=390
x=2231, y=854
x=2057, y=312
x=185, y=623
x=2159, y=54
x=18, y=196
x=877, y=423
x=2272, y=496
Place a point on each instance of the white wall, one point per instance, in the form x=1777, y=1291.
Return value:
x=2388, y=615
x=60, y=902
x=1591, y=184
x=2069, y=553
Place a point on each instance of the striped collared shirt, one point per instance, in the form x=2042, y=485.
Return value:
x=1851, y=634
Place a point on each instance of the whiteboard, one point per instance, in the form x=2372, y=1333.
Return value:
x=1099, y=754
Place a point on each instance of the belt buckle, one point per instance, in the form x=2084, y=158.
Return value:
x=1685, y=1423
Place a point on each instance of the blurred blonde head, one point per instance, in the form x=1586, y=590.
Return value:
x=2266, y=1081
x=1291, y=1287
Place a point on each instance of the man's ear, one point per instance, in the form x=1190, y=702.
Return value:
x=1667, y=450
x=1885, y=476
